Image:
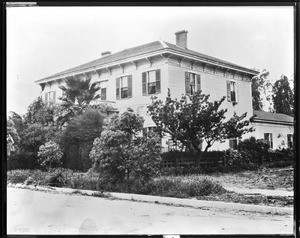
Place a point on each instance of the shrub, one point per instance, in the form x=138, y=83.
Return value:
x=18, y=176
x=121, y=155
x=179, y=187
x=50, y=154
x=257, y=150
x=236, y=161
x=281, y=158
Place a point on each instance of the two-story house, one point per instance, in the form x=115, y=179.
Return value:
x=130, y=77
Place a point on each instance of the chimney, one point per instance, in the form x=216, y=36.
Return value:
x=105, y=53
x=181, y=38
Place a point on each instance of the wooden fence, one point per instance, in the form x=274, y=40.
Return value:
x=183, y=162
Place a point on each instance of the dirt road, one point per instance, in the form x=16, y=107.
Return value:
x=36, y=212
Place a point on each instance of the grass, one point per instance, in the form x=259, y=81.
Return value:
x=263, y=178
x=204, y=187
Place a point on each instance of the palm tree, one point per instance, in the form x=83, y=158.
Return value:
x=78, y=93
x=79, y=90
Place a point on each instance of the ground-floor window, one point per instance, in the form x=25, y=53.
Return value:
x=268, y=137
x=233, y=143
x=290, y=140
x=174, y=145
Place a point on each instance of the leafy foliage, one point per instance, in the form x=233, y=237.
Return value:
x=79, y=90
x=194, y=119
x=50, y=154
x=78, y=137
x=38, y=112
x=121, y=154
x=12, y=138
x=257, y=150
x=283, y=97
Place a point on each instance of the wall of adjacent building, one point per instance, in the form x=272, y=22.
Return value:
x=279, y=133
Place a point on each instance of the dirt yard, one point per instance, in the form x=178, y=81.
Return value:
x=265, y=178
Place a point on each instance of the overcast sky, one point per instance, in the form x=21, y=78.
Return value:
x=45, y=40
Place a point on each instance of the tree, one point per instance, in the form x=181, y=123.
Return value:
x=38, y=112
x=194, y=119
x=121, y=155
x=259, y=88
x=80, y=90
x=283, y=97
x=50, y=154
x=12, y=138
x=77, y=96
x=78, y=137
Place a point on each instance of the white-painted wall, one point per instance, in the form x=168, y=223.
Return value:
x=279, y=133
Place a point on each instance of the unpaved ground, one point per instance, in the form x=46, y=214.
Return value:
x=36, y=212
x=264, y=178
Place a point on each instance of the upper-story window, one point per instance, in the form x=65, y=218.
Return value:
x=269, y=139
x=50, y=97
x=151, y=82
x=124, y=87
x=231, y=91
x=192, y=83
x=103, y=87
x=290, y=140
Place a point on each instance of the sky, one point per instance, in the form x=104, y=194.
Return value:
x=46, y=40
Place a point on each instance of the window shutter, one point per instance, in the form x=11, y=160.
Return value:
x=103, y=93
x=198, y=83
x=144, y=82
x=46, y=98
x=129, y=86
x=230, y=144
x=54, y=96
x=118, y=88
x=237, y=92
x=157, y=81
x=187, y=83
x=228, y=91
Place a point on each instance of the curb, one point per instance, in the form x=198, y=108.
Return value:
x=200, y=204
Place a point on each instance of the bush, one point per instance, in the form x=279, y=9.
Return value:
x=121, y=155
x=50, y=154
x=18, y=176
x=236, y=161
x=183, y=188
x=257, y=150
x=281, y=158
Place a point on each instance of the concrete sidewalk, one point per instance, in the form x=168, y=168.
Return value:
x=266, y=192
x=200, y=204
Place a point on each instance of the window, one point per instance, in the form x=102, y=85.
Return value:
x=124, y=87
x=146, y=130
x=103, y=86
x=174, y=145
x=192, y=83
x=50, y=97
x=290, y=140
x=151, y=82
x=269, y=139
x=233, y=143
x=103, y=93
x=232, y=91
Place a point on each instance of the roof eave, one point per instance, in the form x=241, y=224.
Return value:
x=142, y=56
x=285, y=123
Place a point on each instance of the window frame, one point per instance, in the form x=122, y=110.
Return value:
x=191, y=88
x=290, y=142
x=232, y=95
x=269, y=140
x=120, y=91
x=146, y=82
